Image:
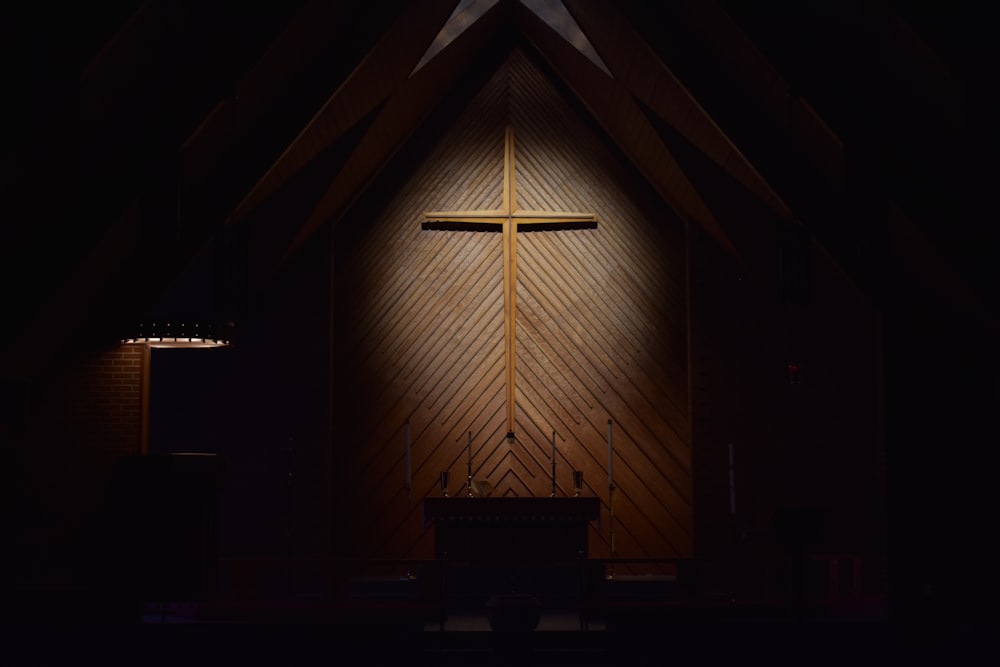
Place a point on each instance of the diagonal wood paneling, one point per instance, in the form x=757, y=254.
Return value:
x=600, y=335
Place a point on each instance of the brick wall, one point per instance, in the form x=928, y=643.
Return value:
x=107, y=402
x=64, y=440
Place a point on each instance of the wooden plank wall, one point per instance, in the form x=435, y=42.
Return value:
x=601, y=335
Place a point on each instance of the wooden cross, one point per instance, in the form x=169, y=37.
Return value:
x=508, y=220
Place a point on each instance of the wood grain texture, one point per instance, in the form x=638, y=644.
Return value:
x=600, y=334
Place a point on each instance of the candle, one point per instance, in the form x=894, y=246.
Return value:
x=407, y=455
x=611, y=458
x=470, y=452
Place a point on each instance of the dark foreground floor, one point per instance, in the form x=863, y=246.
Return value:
x=469, y=641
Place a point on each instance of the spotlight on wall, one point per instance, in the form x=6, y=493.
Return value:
x=182, y=335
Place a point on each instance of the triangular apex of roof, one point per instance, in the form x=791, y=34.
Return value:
x=558, y=150
x=553, y=12
x=519, y=93
x=420, y=98
x=520, y=96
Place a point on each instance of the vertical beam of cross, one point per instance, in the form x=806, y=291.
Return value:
x=508, y=220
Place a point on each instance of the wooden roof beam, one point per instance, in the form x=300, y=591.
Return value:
x=634, y=64
x=380, y=74
x=615, y=109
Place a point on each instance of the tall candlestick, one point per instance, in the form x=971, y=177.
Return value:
x=553, y=464
x=469, y=481
x=407, y=454
x=732, y=481
x=611, y=458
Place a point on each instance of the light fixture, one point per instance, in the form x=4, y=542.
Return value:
x=182, y=335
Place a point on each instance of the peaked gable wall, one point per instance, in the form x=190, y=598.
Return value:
x=600, y=333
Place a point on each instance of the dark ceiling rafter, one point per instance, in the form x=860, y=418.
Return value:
x=382, y=72
x=170, y=86
x=615, y=109
x=401, y=114
x=762, y=83
x=828, y=163
x=223, y=159
x=636, y=65
x=137, y=251
x=618, y=113
x=265, y=84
